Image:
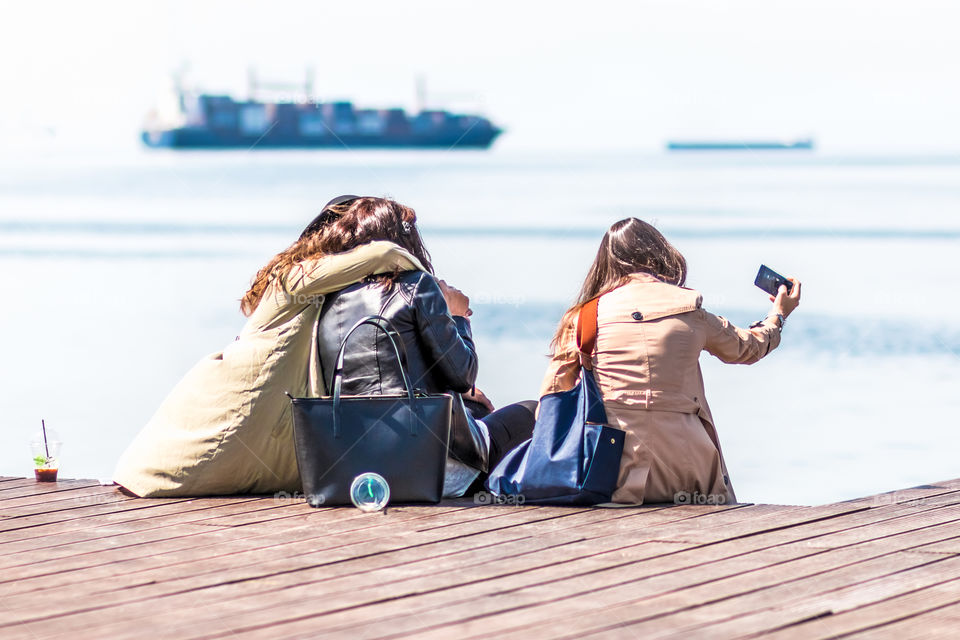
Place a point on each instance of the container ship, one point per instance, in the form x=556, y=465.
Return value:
x=194, y=120
x=739, y=145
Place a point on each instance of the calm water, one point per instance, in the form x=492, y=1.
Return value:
x=124, y=270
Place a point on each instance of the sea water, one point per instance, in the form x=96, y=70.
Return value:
x=121, y=270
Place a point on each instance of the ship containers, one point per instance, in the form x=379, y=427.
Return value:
x=255, y=118
x=370, y=122
x=430, y=121
x=340, y=117
x=396, y=122
x=311, y=121
x=219, y=113
x=286, y=121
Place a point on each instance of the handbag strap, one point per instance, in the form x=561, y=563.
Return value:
x=387, y=327
x=587, y=331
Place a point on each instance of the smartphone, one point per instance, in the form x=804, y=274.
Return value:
x=770, y=281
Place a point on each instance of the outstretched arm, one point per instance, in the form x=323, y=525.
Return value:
x=745, y=346
x=740, y=346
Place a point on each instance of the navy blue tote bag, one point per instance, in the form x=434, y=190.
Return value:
x=573, y=456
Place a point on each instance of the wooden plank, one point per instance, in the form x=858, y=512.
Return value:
x=108, y=524
x=34, y=517
x=437, y=536
x=129, y=559
x=937, y=623
x=722, y=606
x=876, y=542
x=911, y=614
x=857, y=595
x=428, y=576
x=532, y=589
x=30, y=486
x=16, y=483
x=341, y=549
x=109, y=570
x=113, y=540
x=13, y=506
x=911, y=494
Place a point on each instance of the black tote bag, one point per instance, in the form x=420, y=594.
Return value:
x=404, y=437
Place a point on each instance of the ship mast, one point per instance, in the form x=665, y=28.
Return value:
x=308, y=84
x=421, y=93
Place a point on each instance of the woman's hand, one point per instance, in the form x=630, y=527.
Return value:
x=479, y=396
x=785, y=302
x=457, y=302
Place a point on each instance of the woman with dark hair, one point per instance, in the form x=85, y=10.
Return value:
x=432, y=320
x=651, y=330
x=226, y=427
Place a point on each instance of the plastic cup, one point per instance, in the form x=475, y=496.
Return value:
x=46, y=456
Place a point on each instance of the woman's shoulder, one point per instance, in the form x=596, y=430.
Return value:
x=414, y=286
x=416, y=281
x=653, y=298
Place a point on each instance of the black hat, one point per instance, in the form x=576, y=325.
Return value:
x=325, y=214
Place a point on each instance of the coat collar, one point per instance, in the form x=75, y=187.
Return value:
x=663, y=299
x=642, y=276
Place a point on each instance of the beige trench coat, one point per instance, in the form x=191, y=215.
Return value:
x=226, y=427
x=647, y=363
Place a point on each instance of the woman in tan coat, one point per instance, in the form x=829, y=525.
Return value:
x=651, y=331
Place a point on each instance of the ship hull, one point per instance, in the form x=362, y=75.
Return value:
x=745, y=145
x=187, y=138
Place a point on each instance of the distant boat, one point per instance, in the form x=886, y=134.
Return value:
x=189, y=120
x=739, y=145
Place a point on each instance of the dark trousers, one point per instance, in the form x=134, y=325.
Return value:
x=508, y=427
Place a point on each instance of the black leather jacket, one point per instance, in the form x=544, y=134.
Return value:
x=439, y=351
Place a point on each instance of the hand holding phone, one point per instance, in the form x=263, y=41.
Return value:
x=770, y=281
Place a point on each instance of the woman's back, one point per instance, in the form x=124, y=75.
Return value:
x=438, y=349
x=647, y=363
x=648, y=340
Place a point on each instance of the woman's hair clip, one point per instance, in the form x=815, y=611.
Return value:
x=407, y=227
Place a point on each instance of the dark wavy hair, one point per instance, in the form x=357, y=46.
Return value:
x=345, y=227
x=629, y=246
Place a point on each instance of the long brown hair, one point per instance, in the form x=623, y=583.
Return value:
x=346, y=227
x=629, y=246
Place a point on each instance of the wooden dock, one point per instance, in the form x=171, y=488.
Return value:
x=81, y=560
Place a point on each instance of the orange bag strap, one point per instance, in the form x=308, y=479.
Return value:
x=587, y=331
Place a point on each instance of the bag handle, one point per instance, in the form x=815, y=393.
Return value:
x=387, y=327
x=587, y=331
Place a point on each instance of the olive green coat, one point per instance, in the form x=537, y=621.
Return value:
x=226, y=427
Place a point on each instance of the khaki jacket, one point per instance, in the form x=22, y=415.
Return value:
x=647, y=363
x=226, y=426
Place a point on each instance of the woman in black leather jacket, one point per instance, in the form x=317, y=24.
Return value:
x=432, y=320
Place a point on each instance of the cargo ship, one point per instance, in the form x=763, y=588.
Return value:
x=195, y=120
x=740, y=145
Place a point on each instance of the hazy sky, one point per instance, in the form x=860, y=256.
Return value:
x=874, y=75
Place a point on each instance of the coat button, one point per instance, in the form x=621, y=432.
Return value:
x=726, y=479
x=636, y=315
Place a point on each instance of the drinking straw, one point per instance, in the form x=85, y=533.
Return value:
x=46, y=447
